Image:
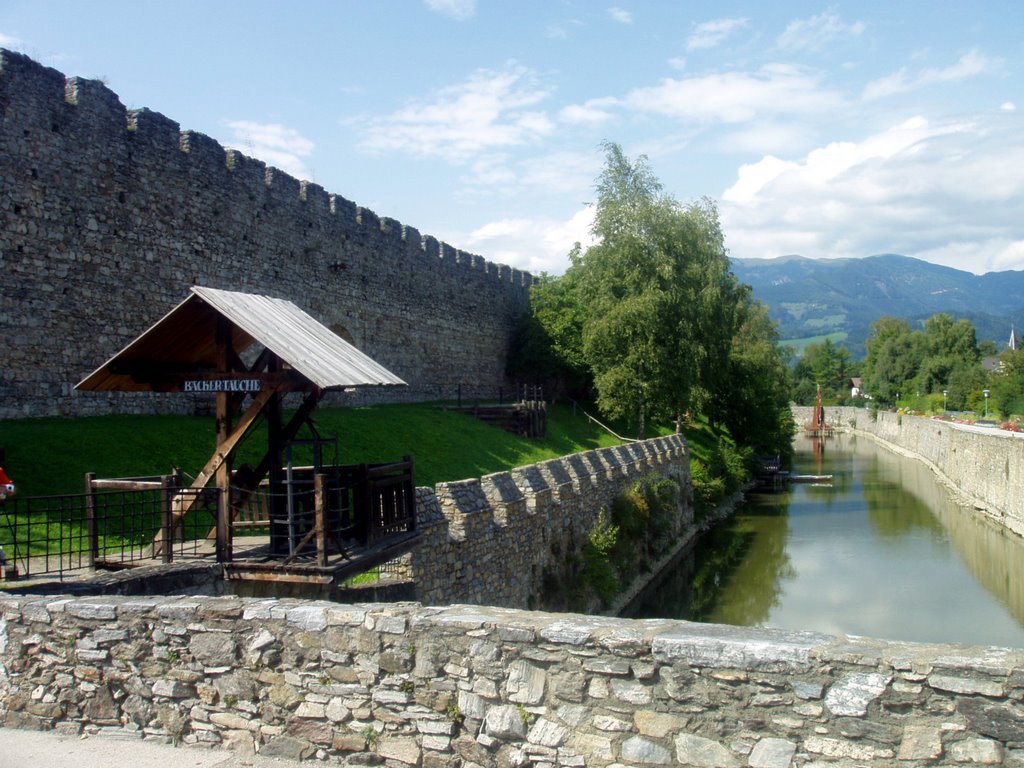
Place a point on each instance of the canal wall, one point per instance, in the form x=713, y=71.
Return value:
x=408, y=685
x=985, y=469
x=515, y=539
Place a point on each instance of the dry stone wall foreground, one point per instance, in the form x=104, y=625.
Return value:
x=408, y=685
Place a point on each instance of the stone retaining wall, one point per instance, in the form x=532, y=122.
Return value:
x=496, y=540
x=407, y=685
x=984, y=468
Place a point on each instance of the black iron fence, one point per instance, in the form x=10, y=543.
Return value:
x=113, y=525
x=332, y=508
x=517, y=393
x=126, y=522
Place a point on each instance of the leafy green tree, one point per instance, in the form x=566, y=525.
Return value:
x=653, y=313
x=944, y=356
x=892, y=359
x=754, y=403
x=1007, y=386
x=825, y=366
x=661, y=301
x=547, y=344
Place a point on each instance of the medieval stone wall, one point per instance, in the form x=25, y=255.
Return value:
x=408, y=685
x=108, y=216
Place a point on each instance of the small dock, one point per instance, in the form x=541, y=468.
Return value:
x=814, y=479
x=770, y=476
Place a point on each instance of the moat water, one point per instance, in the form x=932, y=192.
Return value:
x=883, y=551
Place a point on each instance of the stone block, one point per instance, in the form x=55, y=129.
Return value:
x=641, y=750
x=526, y=683
x=920, y=743
x=852, y=695
x=505, y=722
x=772, y=753
x=403, y=750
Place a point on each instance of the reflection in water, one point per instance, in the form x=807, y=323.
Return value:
x=882, y=552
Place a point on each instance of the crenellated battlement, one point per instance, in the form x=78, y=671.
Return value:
x=96, y=102
x=498, y=538
x=99, y=192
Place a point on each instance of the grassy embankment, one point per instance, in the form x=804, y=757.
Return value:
x=51, y=455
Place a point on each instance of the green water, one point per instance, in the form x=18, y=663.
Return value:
x=884, y=551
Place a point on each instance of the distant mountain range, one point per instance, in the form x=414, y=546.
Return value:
x=819, y=297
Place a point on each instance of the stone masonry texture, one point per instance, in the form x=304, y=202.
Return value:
x=496, y=540
x=109, y=215
x=410, y=685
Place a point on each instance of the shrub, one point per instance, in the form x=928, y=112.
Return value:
x=598, y=572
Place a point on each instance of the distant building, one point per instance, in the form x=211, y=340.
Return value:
x=855, y=390
x=993, y=364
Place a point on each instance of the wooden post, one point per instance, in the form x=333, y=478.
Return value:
x=410, y=492
x=90, y=518
x=364, y=506
x=223, y=473
x=170, y=485
x=320, y=518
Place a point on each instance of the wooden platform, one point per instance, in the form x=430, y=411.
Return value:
x=258, y=564
x=254, y=561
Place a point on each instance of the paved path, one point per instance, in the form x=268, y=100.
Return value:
x=46, y=749
x=986, y=430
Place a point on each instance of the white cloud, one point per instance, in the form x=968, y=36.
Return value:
x=620, y=15
x=560, y=176
x=765, y=137
x=568, y=174
x=592, y=112
x=989, y=255
x=490, y=110
x=817, y=32
x=460, y=10
x=540, y=244
x=736, y=96
x=944, y=192
x=1008, y=106
x=970, y=64
x=709, y=34
x=276, y=145
x=11, y=42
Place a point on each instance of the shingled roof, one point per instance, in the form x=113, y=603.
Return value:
x=184, y=342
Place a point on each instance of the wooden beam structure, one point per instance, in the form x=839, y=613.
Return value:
x=199, y=348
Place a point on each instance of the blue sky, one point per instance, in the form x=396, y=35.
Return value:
x=826, y=130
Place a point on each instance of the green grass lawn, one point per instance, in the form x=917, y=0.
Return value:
x=51, y=455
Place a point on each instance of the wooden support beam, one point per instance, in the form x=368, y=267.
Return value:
x=184, y=503
x=243, y=489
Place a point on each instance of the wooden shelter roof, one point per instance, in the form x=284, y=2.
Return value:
x=184, y=343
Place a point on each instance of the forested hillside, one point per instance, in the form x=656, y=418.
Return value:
x=840, y=298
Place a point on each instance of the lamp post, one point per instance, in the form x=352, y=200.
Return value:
x=944, y=393
x=985, y=391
